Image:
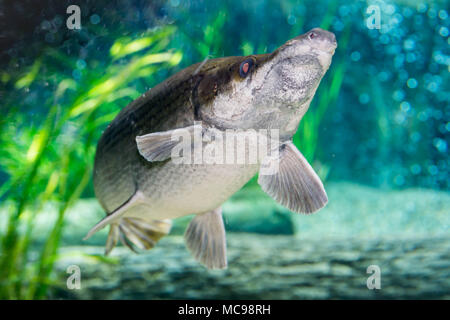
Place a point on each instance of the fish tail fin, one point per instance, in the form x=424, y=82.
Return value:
x=140, y=233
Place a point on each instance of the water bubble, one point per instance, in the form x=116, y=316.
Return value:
x=440, y=145
x=415, y=136
x=364, y=98
x=95, y=18
x=432, y=14
x=421, y=7
x=76, y=74
x=405, y=106
x=400, y=118
x=410, y=57
x=383, y=76
x=174, y=3
x=398, y=61
x=338, y=25
x=394, y=49
x=46, y=25
x=384, y=39
x=399, y=180
x=385, y=28
x=344, y=10
x=411, y=83
x=443, y=14
x=432, y=86
x=398, y=95
x=433, y=170
x=418, y=20
x=292, y=20
x=403, y=75
x=81, y=64
x=407, y=12
x=443, y=31
x=57, y=21
x=415, y=169
x=409, y=44
x=355, y=56
x=397, y=18
x=437, y=79
x=423, y=116
x=389, y=9
x=50, y=37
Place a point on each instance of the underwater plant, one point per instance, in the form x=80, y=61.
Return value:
x=59, y=150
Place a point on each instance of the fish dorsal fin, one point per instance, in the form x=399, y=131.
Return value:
x=158, y=146
x=295, y=185
x=205, y=238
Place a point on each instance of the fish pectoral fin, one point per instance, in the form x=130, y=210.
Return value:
x=294, y=185
x=136, y=199
x=205, y=238
x=158, y=146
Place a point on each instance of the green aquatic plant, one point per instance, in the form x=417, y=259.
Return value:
x=210, y=43
x=51, y=160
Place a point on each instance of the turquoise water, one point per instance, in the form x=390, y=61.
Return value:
x=377, y=133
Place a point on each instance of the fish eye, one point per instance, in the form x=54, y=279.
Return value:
x=245, y=67
x=312, y=35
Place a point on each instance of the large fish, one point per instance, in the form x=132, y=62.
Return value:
x=142, y=188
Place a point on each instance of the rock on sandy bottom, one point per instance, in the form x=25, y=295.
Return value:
x=263, y=267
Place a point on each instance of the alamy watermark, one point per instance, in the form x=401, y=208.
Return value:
x=374, y=281
x=235, y=147
x=74, y=280
x=74, y=20
x=373, y=21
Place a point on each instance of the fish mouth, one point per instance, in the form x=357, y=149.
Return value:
x=333, y=49
x=328, y=46
x=334, y=46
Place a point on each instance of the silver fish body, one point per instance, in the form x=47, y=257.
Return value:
x=142, y=189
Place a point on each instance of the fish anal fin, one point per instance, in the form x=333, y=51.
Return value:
x=205, y=238
x=295, y=185
x=137, y=198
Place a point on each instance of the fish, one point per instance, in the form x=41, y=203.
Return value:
x=142, y=187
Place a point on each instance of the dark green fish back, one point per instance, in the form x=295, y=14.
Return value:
x=117, y=161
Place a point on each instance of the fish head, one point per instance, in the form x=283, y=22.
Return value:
x=267, y=91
